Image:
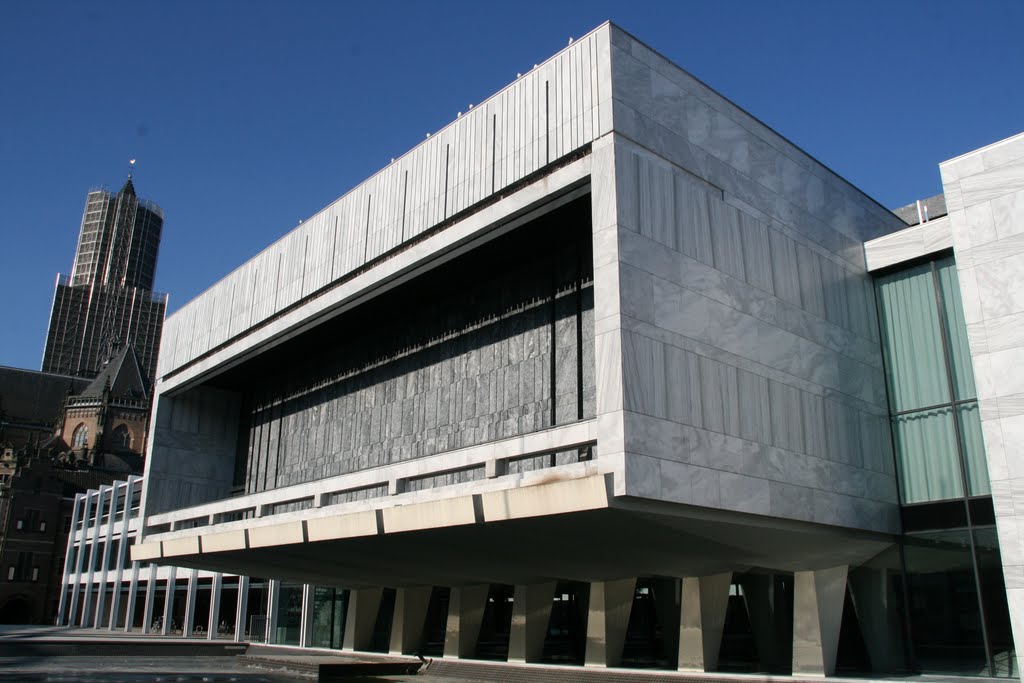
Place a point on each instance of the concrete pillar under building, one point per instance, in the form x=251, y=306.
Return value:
x=531, y=612
x=147, y=613
x=273, y=603
x=410, y=617
x=108, y=541
x=465, y=614
x=363, y=606
x=133, y=594
x=306, y=625
x=874, y=602
x=703, y=605
x=172, y=578
x=241, y=608
x=69, y=566
x=188, y=624
x=87, y=606
x=80, y=558
x=607, y=620
x=818, y=597
x=122, y=550
x=213, y=618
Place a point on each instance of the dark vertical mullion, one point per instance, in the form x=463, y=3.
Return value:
x=957, y=432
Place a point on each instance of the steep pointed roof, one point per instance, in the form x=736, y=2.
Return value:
x=128, y=188
x=122, y=374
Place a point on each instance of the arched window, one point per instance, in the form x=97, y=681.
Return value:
x=122, y=438
x=81, y=437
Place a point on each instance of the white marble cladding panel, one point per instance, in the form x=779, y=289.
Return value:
x=985, y=192
x=546, y=114
x=909, y=243
x=193, y=454
x=752, y=373
x=665, y=109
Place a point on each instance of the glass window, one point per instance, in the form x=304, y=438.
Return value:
x=932, y=396
x=81, y=437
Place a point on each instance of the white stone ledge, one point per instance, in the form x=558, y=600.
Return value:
x=209, y=515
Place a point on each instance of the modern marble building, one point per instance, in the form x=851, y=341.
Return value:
x=607, y=372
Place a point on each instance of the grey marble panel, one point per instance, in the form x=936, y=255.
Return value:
x=754, y=407
x=719, y=397
x=726, y=240
x=785, y=267
x=787, y=422
x=756, y=253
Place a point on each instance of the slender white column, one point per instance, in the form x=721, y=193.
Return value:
x=172, y=580
x=363, y=606
x=80, y=561
x=407, y=624
x=702, y=618
x=147, y=613
x=273, y=601
x=531, y=612
x=108, y=541
x=133, y=592
x=93, y=551
x=122, y=550
x=306, y=628
x=607, y=621
x=241, y=607
x=69, y=563
x=818, y=598
x=465, y=613
x=213, y=622
x=190, y=604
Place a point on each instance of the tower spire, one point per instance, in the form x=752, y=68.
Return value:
x=129, y=186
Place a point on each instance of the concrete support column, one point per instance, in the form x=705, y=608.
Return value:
x=133, y=593
x=172, y=579
x=69, y=564
x=874, y=602
x=122, y=550
x=817, y=615
x=701, y=620
x=363, y=606
x=531, y=612
x=94, y=543
x=82, y=554
x=147, y=613
x=273, y=602
x=108, y=541
x=214, y=617
x=188, y=624
x=465, y=614
x=410, y=616
x=607, y=620
x=241, y=607
x=306, y=625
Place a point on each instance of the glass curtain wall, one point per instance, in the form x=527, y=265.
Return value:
x=933, y=400
x=956, y=601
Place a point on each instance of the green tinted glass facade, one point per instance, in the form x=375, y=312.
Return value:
x=932, y=397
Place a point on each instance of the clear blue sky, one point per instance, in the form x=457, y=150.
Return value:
x=249, y=116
